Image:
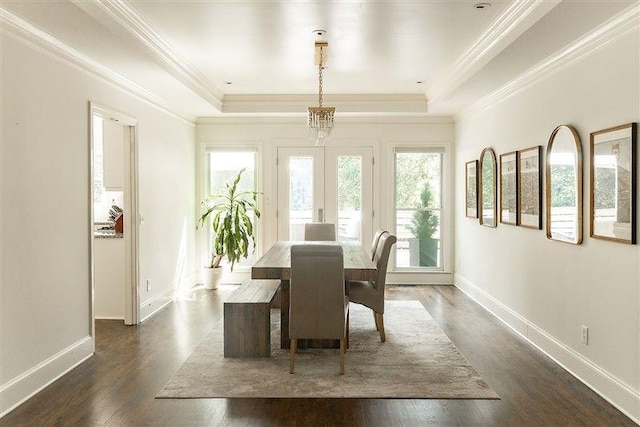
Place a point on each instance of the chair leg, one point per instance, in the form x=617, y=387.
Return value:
x=380, y=323
x=347, y=332
x=375, y=319
x=292, y=353
x=342, y=349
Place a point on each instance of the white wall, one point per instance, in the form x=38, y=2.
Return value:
x=45, y=323
x=383, y=134
x=546, y=289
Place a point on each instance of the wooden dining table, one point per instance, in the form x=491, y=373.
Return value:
x=276, y=264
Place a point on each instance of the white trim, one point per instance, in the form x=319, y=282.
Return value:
x=344, y=103
x=616, y=27
x=615, y=391
x=110, y=318
x=131, y=236
x=21, y=388
x=156, y=303
x=368, y=120
x=400, y=277
x=36, y=37
x=503, y=30
x=130, y=21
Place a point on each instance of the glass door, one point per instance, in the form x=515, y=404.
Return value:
x=325, y=184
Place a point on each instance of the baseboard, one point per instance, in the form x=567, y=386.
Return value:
x=109, y=318
x=620, y=395
x=23, y=387
x=151, y=306
x=419, y=278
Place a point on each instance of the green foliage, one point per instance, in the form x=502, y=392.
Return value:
x=413, y=171
x=424, y=221
x=563, y=186
x=349, y=183
x=228, y=210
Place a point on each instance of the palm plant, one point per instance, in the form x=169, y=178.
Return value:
x=229, y=211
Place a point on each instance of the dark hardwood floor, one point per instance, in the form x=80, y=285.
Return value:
x=117, y=386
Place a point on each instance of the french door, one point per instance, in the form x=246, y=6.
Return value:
x=325, y=184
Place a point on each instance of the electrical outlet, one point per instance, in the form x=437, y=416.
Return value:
x=585, y=335
x=148, y=286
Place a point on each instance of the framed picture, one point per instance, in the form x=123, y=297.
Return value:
x=613, y=184
x=529, y=172
x=509, y=188
x=471, y=193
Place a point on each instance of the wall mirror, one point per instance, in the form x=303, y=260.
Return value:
x=563, y=186
x=488, y=188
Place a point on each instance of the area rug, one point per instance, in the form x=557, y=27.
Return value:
x=417, y=361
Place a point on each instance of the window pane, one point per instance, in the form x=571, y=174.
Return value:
x=349, y=197
x=223, y=168
x=418, y=187
x=300, y=195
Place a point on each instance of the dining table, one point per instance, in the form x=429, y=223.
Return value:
x=276, y=264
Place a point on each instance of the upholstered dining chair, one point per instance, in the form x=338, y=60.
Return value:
x=317, y=231
x=371, y=294
x=318, y=306
x=374, y=244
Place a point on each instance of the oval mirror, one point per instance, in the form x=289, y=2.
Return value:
x=487, y=188
x=564, y=186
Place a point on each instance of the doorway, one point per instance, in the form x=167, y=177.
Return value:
x=113, y=225
x=325, y=184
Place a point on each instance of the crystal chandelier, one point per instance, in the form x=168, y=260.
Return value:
x=320, y=118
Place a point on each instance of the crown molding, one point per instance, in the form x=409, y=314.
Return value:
x=620, y=25
x=301, y=120
x=353, y=103
x=25, y=31
x=515, y=19
x=128, y=19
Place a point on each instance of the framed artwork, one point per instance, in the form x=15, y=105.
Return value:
x=509, y=188
x=471, y=193
x=529, y=172
x=613, y=184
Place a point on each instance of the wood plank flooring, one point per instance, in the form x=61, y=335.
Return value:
x=117, y=386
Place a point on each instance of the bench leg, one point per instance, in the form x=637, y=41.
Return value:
x=284, y=314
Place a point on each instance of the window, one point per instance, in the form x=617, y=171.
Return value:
x=222, y=168
x=418, y=208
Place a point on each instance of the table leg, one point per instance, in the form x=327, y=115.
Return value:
x=284, y=314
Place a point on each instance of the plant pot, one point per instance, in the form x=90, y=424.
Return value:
x=423, y=252
x=211, y=277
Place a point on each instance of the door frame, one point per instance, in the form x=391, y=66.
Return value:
x=329, y=149
x=131, y=223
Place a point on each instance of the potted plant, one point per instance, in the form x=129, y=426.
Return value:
x=228, y=210
x=423, y=250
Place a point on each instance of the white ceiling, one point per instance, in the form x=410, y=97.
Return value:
x=209, y=58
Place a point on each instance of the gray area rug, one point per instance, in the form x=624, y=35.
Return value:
x=417, y=361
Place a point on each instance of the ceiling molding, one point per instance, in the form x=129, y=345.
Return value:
x=340, y=120
x=515, y=19
x=620, y=25
x=30, y=34
x=129, y=20
x=353, y=103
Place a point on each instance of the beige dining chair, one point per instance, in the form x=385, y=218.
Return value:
x=319, y=231
x=318, y=306
x=374, y=244
x=371, y=293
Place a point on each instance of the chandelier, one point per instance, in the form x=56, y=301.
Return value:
x=320, y=118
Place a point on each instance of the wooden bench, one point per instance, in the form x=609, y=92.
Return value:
x=247, y=319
